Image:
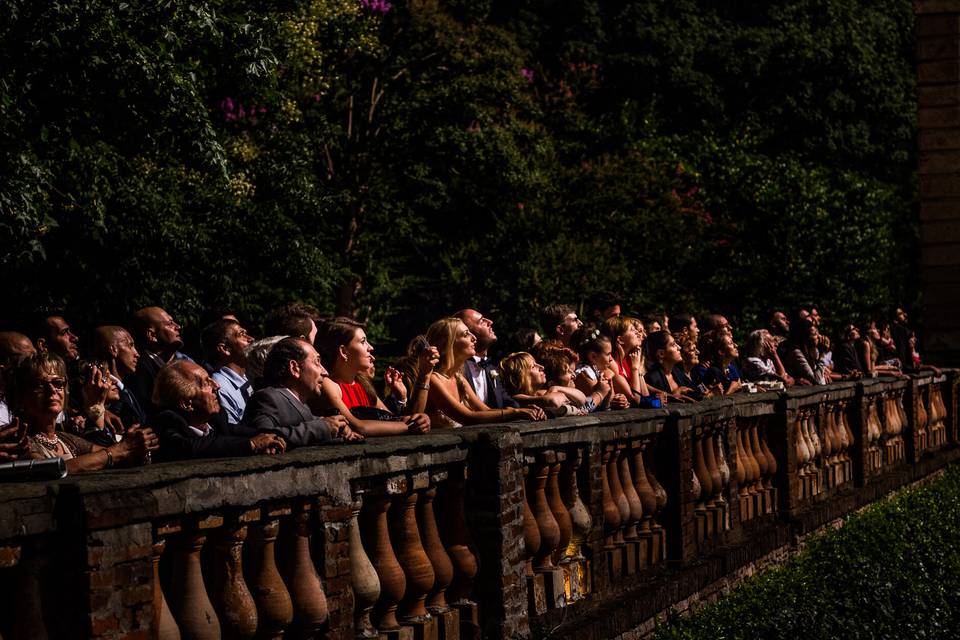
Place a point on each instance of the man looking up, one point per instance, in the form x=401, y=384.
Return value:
x=224, y=345
x=294, y=319
x=52, y=334
x=559, y=321
x=294, y=375
x=189, y=422
x=158, y=336
x=479, y=370
x=114, y=344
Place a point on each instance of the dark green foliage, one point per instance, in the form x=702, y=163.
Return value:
x=397, y=166
x=892, y=571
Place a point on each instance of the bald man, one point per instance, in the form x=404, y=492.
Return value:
x=157, y=336
x=115, y=345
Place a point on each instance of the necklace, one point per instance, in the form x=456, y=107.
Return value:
x=48, y=443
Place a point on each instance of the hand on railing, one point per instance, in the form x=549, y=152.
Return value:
x=268, y=443
x=137, y=443
x=417, y=423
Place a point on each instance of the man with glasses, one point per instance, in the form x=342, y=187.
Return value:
x=224, y=345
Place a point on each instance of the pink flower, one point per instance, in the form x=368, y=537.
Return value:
x=527, y=74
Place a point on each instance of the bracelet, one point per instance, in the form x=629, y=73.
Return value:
x=109, y=458
x=96, y=411
x=425, y=386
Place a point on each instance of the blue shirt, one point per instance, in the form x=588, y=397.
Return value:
x=231, y=393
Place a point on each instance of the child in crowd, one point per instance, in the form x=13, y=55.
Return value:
x=595, y=373
x=526, y=381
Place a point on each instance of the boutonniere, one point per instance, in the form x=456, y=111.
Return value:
x=494, y=374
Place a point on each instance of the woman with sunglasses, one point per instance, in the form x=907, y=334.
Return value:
x=39, y=394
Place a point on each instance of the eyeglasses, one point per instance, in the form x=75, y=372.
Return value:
x=58, y=384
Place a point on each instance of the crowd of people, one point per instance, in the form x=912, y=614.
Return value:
x=128, y=395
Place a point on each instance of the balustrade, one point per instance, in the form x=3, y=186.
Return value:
x=376, y=540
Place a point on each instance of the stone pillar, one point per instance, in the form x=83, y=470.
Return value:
x=938, y=122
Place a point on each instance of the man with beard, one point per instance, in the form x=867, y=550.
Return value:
x=51, y=333
x=481, y=372
x=158, y=338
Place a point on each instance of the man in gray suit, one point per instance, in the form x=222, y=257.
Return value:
x=293, y=374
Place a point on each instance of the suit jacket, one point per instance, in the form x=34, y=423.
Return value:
x=128, y=408
x=276, y=410
x=177, y=442
x=497, y=396
x=141, y=381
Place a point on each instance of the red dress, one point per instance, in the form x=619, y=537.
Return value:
x=354, y=395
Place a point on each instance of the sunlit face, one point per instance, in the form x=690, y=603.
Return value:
x=566, y=377
x=359, y=352
x=780, y=320
x=62, y=340
x=671, y=353
x=570, y=324
x=312, y=372
x=127, y=355
x=113, y=394
x=538, y=377
x=237, y=340
x=603, y=359
x=693, y=329
x=641, y=332
x=630, y=339
x=45, y=395
x=482, y=327
x=872, y=331
x=464, y=342
x=729, y=348
x=690, y=354
x=654, y=326
x=166, y=331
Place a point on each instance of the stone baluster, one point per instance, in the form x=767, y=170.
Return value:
x=531, y=531
x=634, y=509
x=710, y=459
x=274, y=606
x=236, y=610
x=743, y=475
x=923, y=435
x=700, y=469
x=757, y=461
x=310, y=611
x=581, y=522
x=845, y=423
x=456, y=540
x=364, y=581
x=828, y=447
x=720, y=442
x=447, y=618
x=547, y=524
x=934, y=418
x=646, y=493
x=413, y=558
x=376, y=542
x=660, y=550
x=163, y=622
x=617, y=494
x=557, y=508
x=770, y=492
x=611, y=513
x=189, y=602
x=439, y=560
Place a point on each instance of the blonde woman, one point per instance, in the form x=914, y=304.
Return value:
x=451, y=402
x=526, y=381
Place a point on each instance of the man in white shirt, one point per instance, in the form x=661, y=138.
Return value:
x=482, y=373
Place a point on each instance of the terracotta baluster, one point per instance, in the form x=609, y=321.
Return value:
x=616, y=492
x=547, y=524
x=648, y=498
x=580, y=518
x=229, y=595
x=803, y=451
x=901, y=413
x=757, y=458
x=771, y=460
x=439, y=560
x=310, y=612
x=376, y=542
x=163, y=622
x=189, y=603
x=700, y=468
x=611, y=513
x=364, y=581
x=828, y=445
x=814, y=433
x=658, y=489
x=558, y=509
x=710, y=459
x=456, y=539
x=743, y=466
x=274, y=606
x=531, y=531
x=922, y=432
x=635, y=512
x=753, y=465
x=413, y=559
x=724, y=468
